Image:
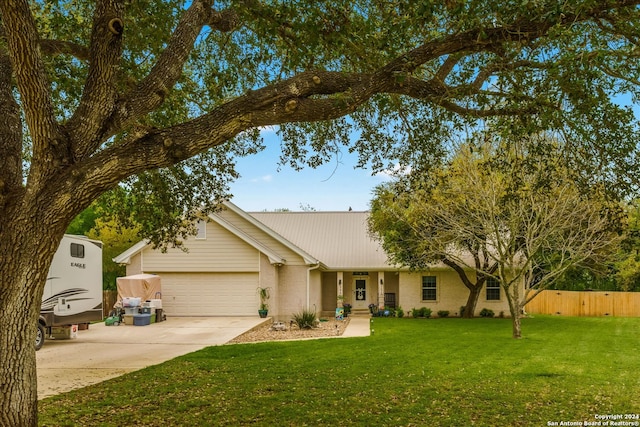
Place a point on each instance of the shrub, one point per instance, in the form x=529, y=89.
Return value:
x=443, y=313
x=415, y=313
x=306, y=319
x=400, y=312
x=485, y=312
x=425, y=312
x=462, y=307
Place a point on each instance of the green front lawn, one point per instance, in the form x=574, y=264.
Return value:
x=410, y=372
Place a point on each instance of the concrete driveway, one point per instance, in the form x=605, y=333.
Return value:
x=104, y=352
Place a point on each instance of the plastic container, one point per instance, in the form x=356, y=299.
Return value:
x=65, y=332
x=131, y=301
x=141, y=319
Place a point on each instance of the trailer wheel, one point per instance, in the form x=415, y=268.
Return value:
x=40, y=336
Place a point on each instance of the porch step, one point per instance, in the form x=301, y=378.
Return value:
x=364, y=312
x=360, y=312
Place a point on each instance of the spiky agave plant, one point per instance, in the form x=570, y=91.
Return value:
x=305, y=319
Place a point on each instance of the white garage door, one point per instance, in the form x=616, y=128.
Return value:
x=210, y=294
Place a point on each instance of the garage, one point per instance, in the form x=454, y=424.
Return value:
x=210, y=294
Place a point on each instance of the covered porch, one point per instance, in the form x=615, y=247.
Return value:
x=359, y=289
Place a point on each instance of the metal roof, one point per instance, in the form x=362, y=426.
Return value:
x=340, y=240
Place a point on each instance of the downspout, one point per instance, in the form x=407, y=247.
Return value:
x=309, y=283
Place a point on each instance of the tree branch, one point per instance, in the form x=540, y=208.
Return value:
x=308, y=96
x=225, y=20
x=11, y=132
x=33, y=83
x=447, y=67
x=99, y=95
x=57, y=47
x=462, y=274
x=152, y=90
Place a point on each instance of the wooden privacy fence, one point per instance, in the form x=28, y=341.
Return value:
x=594, y=304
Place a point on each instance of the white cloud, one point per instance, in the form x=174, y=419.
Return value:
x=264, y=178
x=397, y=170
x=267, y=129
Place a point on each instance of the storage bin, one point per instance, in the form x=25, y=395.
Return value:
x=128, y=319
x=141, y=319
x=130, y=301
x=64, y=332
x=145, y=310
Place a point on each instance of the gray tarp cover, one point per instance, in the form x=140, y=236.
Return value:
x=143, y=286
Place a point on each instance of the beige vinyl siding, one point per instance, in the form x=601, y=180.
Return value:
x=220, y=251
x=135, y=265
x=289, y=255
x=210, y=294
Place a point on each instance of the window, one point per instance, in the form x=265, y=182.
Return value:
x=77, y=250
x=428, y=288
x=201, y=226
x=493, y=289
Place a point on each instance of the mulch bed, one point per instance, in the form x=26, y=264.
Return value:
x=267, y=332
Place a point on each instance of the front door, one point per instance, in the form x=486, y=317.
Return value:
x=360, y=298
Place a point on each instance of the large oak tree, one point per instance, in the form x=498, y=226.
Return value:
x=508, y=211
x=159, y=97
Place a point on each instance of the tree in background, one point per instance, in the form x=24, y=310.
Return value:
x=507, y=211
x=115, y=239
x=84, y=222
x=622, y=273
x=160, y=98
x=627, y=267
x=101, y=221
x=405, y=218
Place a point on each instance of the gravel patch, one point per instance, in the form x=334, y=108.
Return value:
x=280, y=331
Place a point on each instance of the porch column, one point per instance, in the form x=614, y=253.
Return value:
x=381, y=290
x=340, y=289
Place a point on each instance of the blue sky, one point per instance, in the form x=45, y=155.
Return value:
x=329, y=187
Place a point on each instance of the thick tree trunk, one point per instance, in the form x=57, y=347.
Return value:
x=474, y=288
x=18, y=392
x=472, y=301
x=27, y=247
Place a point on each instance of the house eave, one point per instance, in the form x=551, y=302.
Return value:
x=308, y=258
x=125, y=257
x=274, y=258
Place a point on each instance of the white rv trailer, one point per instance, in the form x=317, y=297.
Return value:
x=73, y=293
